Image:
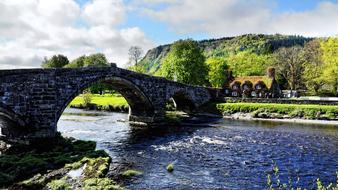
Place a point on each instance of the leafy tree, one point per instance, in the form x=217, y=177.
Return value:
x=246, y=63
x=313, y=65
x=330, y=59
x=185, y=63
x=289, y=64
x=135, y=54
x=95, y=60
x=76, y=63
x=218, y=70
x=56, y=61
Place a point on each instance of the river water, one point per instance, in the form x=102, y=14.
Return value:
x=224, y=154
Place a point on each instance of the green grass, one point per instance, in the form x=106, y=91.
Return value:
x=294, y=110
x=102, y=100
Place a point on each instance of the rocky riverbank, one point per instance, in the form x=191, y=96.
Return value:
x=60, y=163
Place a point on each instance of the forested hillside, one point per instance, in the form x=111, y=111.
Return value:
x=224, y=47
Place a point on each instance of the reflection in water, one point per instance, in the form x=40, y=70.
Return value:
x=226, y=155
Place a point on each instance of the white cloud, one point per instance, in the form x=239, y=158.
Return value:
x=32, y=29
x=234, y=17
x=104, y=12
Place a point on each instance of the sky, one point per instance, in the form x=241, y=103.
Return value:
x=33, y=29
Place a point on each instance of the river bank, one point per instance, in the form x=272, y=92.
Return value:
x=291, y=113
x=60, y=163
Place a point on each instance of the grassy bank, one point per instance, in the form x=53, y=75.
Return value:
x=267, y=110
x=107, y=102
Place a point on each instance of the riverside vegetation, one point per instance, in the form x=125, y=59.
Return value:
x=281, y=111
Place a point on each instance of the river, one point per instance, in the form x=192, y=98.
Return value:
x=224, y=154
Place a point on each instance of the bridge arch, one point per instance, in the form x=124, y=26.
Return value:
x=140, y=107
x=183, y=101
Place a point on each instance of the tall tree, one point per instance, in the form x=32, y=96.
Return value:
x=313, y=65
x=135, y=54
x=330, y=59
x=56, y=61
x=218, y=70
x=289, y=64
x=185, y=63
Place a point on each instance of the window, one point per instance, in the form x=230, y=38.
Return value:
x=258, y=87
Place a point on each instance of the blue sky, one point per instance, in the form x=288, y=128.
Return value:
x=33, y=29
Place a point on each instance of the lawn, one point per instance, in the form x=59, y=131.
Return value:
x=113, y=100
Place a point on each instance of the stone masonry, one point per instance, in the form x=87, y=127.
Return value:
x=34, y=99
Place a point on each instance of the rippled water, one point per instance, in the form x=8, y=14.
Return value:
x=224, y=155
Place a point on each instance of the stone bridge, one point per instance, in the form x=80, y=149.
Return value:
x=32, y=100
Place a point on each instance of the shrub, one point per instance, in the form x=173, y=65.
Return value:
x=87, y=98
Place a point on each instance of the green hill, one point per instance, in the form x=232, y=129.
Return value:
x=222, y=47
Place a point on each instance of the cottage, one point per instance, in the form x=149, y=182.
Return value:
x=254, y=86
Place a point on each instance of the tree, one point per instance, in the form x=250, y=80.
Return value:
x=76, y=63
x=135, y=54
x=218, y=71
x=313, y=65
x=185, y=63
x=330, y=59
x=57, y=61
x=289, y=64
x=246, y=63
x=95, y=60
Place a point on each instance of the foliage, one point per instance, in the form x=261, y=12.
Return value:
x=170, y=167
x=23, y=161
x=95, y=60
x=307, y=111
x=330, y=59
x=106, y=102
x=289, y=64
x=185, y=63
x=223, y=47
x=218, y=69
x=101, y=184
x=76, y=63
x=313, y=65
x=135, y=53
x=246, y=63
x=86, y=98
x=137, y=68
x=131, y=173
x=273, y=182
x=56, y=61
x=60, y=184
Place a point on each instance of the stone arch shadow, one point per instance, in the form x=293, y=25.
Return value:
x=140, y=107
x=12, y=126
x=183, y=101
